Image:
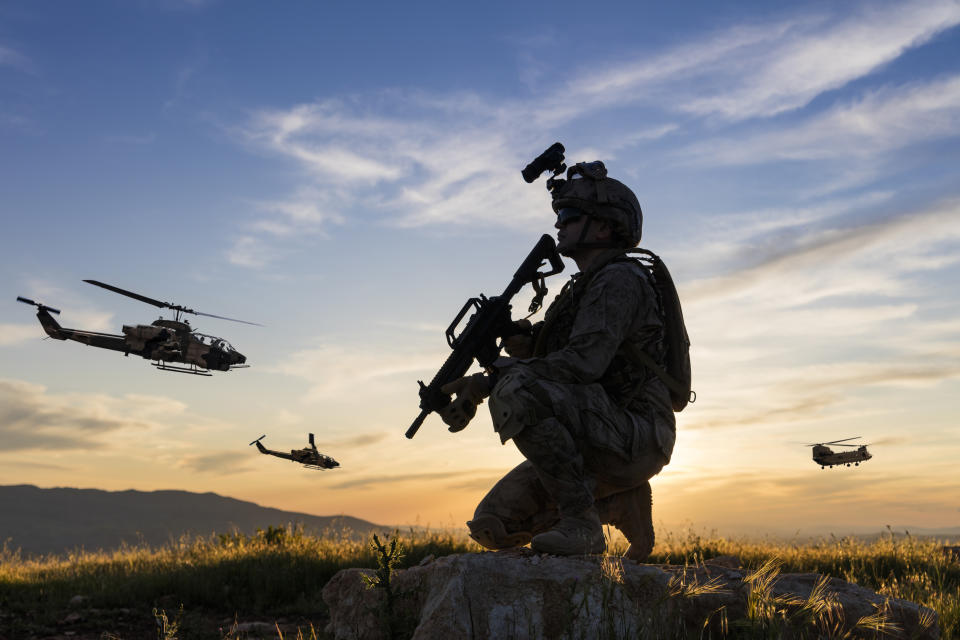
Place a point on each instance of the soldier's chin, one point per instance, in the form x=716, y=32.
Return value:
x=565, y=251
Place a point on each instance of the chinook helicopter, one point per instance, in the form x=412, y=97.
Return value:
x=825, y=457
x=309, y=457
x=164, y=341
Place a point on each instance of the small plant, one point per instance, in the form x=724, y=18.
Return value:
x=167, y=628
x=388, y=556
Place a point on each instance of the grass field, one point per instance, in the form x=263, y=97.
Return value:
x=228, y=586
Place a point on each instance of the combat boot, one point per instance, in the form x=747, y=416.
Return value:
x=489, y=532
x=573, y=536
x=632, y=513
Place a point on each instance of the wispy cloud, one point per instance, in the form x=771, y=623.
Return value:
x=218, y=463
x=11, y=334
x=31, y=418
x=337, y=370
x=446, y=479
x=412, y=159
x=846, y=303
x=12, y=58
x=881, y=121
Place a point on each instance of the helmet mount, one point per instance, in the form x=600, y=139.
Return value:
x=588, y=188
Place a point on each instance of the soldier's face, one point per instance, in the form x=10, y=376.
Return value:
x=569, y=227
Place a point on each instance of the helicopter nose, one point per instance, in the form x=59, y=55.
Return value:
x=240, y=358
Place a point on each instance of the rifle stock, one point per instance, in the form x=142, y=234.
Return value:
x=478, y=340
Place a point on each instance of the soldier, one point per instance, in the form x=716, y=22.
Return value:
x=593, y=422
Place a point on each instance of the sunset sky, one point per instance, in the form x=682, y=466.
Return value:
x=348, y=174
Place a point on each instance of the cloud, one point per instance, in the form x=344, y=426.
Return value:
x=436, y=478
x=761, y=70
x=218, y=463
x=11, y=334
x=412, y=159
x=356, y=442
x=805, y=267
x=881, y=121
x=851, y=303
x=335, y=371
x=31, y=418
x=250, y=251
x=12, y=58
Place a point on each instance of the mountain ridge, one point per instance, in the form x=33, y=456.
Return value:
x=60, y=519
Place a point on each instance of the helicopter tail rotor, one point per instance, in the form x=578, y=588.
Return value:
x=39, y=305
x=258, y=440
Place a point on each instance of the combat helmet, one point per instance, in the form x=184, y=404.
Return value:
x=588, y=188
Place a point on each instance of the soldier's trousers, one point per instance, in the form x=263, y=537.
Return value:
x=581, y=450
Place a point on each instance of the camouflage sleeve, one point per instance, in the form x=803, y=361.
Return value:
x=606, y=317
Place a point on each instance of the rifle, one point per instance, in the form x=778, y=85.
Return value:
x=491, y=320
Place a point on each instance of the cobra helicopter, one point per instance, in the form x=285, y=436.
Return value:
x=825, y=457
x=308, y=456
x=164, y=341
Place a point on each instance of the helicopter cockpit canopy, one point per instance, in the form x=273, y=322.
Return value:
x=216, y=342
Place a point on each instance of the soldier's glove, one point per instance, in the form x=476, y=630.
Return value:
x=470, y=392
x=520, y=344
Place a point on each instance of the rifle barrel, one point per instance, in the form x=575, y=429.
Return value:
x=416, y=423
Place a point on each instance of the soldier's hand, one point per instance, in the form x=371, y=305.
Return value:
x=470, y=392
x=520, y=345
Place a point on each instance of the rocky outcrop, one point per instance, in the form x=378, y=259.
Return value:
x=522, y=595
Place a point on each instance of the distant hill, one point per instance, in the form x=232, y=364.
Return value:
x=41, y=521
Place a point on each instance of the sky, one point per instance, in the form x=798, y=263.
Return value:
x=348, y=174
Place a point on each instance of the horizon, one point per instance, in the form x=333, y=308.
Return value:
x=349, y=176
x=811, y=533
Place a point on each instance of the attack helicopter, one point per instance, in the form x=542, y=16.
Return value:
x=309, y=457
x=164, y=341
x=825, y=457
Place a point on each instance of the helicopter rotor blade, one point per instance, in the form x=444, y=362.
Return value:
x=163, y=305
x=258, y=439
x=210, y=315
x=844, y=440
x=38, y=305
x=131, y=294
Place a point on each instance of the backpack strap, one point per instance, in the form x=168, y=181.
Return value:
x=646, y=360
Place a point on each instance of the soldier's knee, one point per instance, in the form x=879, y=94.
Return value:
x=490, y=532
x=514, y=403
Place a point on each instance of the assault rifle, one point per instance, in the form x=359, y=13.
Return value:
x=490, y=321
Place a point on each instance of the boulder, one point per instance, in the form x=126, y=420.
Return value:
x=519, y=594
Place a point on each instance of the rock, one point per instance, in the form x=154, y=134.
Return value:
x=522, y=595
x=78, y=601
x=257, y=627
x=73, y=618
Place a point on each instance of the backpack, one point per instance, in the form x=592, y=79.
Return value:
x=675, y=372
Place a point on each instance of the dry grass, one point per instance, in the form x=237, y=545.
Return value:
x=279, y=573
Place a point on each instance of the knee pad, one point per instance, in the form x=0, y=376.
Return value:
x=489, y=532
x=513, y=406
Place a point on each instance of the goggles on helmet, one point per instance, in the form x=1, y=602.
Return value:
x=569, y=214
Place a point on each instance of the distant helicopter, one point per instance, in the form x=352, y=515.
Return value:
x=825, y=457
x=308, y=456
x=164, y=341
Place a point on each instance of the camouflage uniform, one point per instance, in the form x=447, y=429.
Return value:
x=593, y=424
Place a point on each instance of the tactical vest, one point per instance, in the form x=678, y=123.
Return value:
x=627, y=375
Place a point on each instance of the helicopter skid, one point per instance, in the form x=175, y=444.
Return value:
x=163, y=366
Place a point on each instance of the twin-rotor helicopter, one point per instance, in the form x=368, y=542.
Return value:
x=173, y=345
x=825, y=457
